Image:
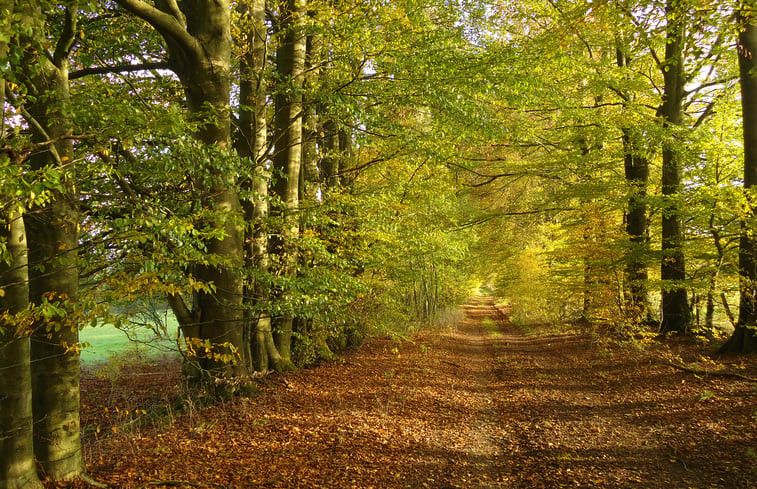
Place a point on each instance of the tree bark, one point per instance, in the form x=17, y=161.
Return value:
x=287, y=158
x=676, y=315
x=253, y=144
x=17, y=466
x=199, y=43
x=636, y=167
x=637, y=175
x=51, y=232
x=744, y=337
x=54, y=278
x=331, y=156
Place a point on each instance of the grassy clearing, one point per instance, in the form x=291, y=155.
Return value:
x=100, y=343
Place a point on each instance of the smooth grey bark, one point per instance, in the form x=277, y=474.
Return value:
x=287, y=157
x=198, y=36
x=51, y=232
x=252, y=143
x=54, y=278
x=17, y=466
x=676, y=314
x=744, y=337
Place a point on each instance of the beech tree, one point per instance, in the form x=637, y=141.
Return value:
x=636, y=170
x=744, y=337
x=40, y=260
x=51, y=233
x=252, y=142
x=17, y=465
x=198, y=38
x=675, y=307
x=287, y=156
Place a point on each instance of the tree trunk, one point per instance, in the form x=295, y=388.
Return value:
x=345, y=178
x=331, y=157
x=51, y=232
x=199, y=43
x=744, y=337
x=636, y=167
x=290, y=63
x=253, y=144
x=17, y=465
x=54, y=278
x=637, y=175
x=676, y=315
x=310, y=190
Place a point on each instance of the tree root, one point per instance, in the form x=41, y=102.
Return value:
x=711, y=373
x=90, y=481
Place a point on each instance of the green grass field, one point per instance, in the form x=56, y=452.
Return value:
x=102, y=342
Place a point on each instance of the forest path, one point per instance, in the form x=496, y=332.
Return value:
x=481, y=405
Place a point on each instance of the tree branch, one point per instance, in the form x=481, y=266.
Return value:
x=183, y=315
x=36, y=126
x=68, y=36
x=166, y=24
x=128, y=68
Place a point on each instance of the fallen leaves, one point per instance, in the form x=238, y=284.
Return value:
x=467, y=410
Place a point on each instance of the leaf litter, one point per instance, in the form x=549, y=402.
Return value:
x=465, y=407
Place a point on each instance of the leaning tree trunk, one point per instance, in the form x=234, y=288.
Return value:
x=675, y=307
x=287, y=158
x=199, y=42
x=51, y=232
x=744, y=337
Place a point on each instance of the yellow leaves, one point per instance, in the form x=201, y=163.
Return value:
x=2, y=292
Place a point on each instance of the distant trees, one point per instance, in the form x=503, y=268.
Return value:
x=648, y=86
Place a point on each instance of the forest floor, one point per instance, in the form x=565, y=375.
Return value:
x=483, y=404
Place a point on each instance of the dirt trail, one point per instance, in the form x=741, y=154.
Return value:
x=480, y=406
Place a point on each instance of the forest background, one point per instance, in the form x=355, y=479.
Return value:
x=289, y=177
